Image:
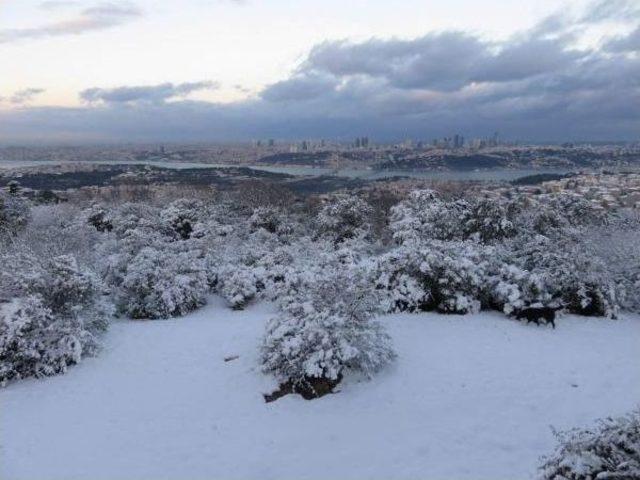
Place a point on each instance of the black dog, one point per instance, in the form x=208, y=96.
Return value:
x=536, y=315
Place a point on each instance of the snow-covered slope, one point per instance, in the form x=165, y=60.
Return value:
x=469, y=397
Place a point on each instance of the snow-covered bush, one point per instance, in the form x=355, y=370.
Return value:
x=183, y=215
x=610, y=450
x=64, y=287
x=436, y=275
x=55, y=230
x=398, y=277
x=617, y=244
x=329, y=330
x=160, y=283
x=572, y=275
x=577, y=211
x=14, y=214
x=344, y=217
x=239, y=284
x=54, y=317
x=489, y=220
x=510, y=288
x=561, y=215
x=425, y=216
x=35, y=343
x=269, y=218
x=141, y=216
x=99, y=217
x=454, y=274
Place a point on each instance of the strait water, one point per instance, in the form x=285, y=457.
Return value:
x=505, y=174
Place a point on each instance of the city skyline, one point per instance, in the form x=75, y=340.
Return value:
x=236, y=70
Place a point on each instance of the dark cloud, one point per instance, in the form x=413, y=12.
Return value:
x=97, y=17
x=147, y=93
x=443, y=62
x=300, y=87
x=25, y=95
x=536, y=85
x=629, y=43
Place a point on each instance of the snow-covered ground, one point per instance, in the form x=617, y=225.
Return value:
x=468, y=397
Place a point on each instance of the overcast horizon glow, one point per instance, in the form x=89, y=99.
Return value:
x=211, y=70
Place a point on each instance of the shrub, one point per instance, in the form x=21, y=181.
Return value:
x=571, y=275
x=617, y=243
x=398, y=277
x=611, y=450
x=98, y=217
x=54, y=318
x=345, y=217
x=424, y=216
x=436, y=275
x=35, y=343
x=511, y=288
x=490, y=220
x=182, y=216
x=329, y=330
x=268, y=218
x=14, y=214
x=239, y=285
x=162, y=284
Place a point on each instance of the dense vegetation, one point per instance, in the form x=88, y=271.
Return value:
x=331, y=266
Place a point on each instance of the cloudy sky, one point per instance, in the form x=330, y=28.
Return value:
x=199, y=70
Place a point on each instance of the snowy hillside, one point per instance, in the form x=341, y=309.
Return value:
x=468, y=397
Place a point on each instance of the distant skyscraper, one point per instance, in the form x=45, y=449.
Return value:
x=458, y=141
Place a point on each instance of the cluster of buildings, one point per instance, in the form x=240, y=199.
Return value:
x=605, y=190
